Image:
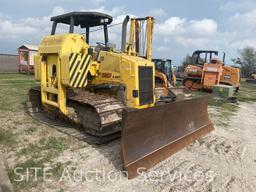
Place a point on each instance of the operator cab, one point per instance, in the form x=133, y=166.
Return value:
x=200, y=57
x=84, y=20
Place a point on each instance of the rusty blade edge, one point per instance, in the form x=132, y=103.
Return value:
x=170, y=143
x=161, y=154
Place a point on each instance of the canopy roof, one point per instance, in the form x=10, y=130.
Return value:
x=206, y=51
x=84, y=19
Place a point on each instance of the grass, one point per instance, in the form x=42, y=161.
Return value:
x=32, y=150
x=6, y=137
x=30, y=130
x=224, y=111
x=13, y=90
x=15, y=76
x=43, y=151
x=24, y=176
x=219, y=103
x=56, y=143
x=40, y=153
x=195, y=94
x=46, y=148
x=247, y=93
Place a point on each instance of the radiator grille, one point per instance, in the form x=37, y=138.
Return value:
x=145, y=85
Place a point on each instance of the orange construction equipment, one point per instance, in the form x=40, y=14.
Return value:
x=231, y=76
x=211, y=74
x=207, y=71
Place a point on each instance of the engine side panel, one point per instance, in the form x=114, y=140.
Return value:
x=231, y=76
x=122, y=69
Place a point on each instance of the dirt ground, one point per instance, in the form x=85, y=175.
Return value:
x=224, y=160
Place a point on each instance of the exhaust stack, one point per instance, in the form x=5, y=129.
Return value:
x=124, y=31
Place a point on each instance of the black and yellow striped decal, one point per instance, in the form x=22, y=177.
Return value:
x=78, y=69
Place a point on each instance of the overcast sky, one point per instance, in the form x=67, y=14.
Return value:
x=181, y=26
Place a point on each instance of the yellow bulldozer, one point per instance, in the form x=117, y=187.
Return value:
x=106, y=93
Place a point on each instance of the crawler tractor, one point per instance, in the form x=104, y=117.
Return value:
x=207, y=70
x=107, y=93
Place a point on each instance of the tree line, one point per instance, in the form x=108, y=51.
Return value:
x=246, y=61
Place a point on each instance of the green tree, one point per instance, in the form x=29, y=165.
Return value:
x=246, y=61
x=188, y=60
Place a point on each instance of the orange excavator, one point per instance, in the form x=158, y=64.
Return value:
x=208, y=70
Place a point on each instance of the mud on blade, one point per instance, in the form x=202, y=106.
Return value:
x=151, y=135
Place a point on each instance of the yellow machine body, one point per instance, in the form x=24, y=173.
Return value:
x=63, y=61
x=110, y=93
x=120, y=68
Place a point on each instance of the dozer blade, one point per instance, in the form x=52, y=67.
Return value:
x=153, y=134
